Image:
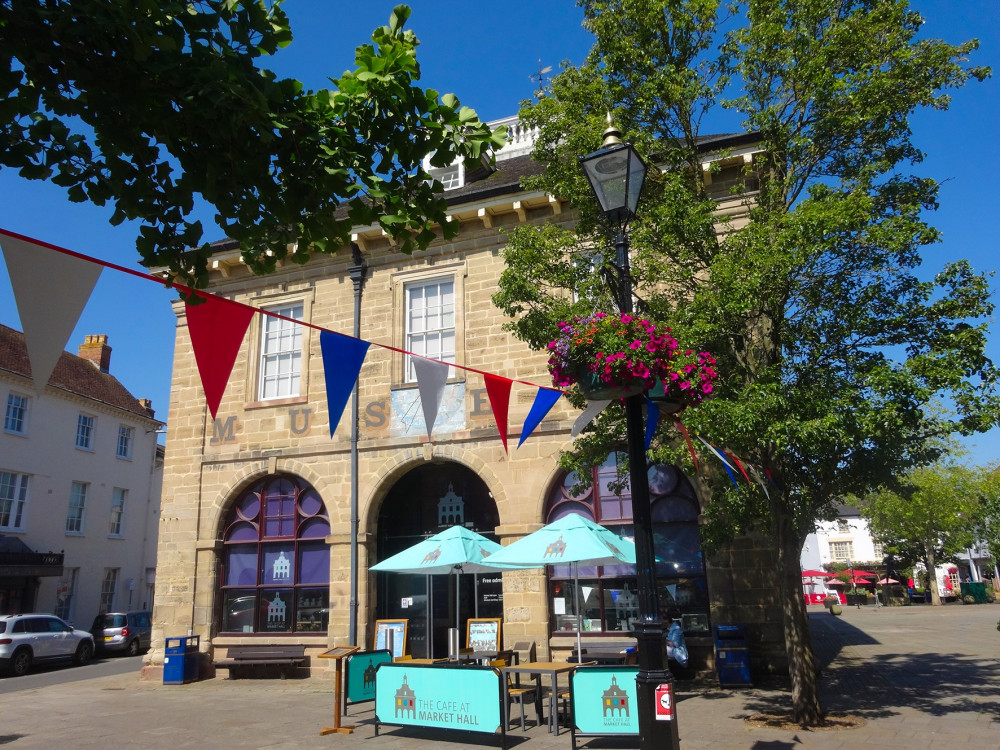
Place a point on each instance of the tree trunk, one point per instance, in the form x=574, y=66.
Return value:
x=932, y=585
x=802, y=662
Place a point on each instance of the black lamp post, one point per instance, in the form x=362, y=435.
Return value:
x=616, y=174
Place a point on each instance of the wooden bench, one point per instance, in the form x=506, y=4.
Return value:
x=283, y=657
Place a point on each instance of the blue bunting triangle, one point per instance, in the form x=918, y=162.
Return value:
x=342, y=360
x=652, y=420
x=545, y=399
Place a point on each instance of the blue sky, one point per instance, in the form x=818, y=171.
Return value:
x=486, y=55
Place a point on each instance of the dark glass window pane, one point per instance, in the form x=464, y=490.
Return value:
x=241, y=565
x=314, y=563
x=314, y=528
x=243, y=532
x=312, y=610
x=310, y=503
x=625, y=531
x=572, y=480
x=611, y=508
x=678, y=549
x=685, y=593
x=623, y=610
x=238, y=611
x=249, y=507
x=673, y=509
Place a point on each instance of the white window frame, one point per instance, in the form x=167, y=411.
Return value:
x=126, y=437
x=13, y=500
x=116, y=522
x=279, y=373
x=77, y=507
x=15, y=420
x=426, y=329
x=86, y=426
x=848, y=546
x=109, y=589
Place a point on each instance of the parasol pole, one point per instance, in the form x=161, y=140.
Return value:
x=579, y=615
x=854, y=583
x=430, y=617
x=458, y=614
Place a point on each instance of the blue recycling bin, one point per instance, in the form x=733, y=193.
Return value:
x=180, y=660
x=732, y=656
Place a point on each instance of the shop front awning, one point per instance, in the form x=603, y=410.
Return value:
x=17, y=559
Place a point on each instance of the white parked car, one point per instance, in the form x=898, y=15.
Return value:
x=39, y=638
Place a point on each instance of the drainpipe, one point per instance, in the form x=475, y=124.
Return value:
x=357, y=273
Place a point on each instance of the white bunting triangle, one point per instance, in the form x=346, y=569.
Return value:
x=51, y=289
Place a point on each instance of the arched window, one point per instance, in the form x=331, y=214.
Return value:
x=275, y=560
x=608, y=597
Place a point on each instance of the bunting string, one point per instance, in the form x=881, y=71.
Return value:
x=217, y=326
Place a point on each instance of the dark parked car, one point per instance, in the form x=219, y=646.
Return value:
x=37, y=638
x=128, y=632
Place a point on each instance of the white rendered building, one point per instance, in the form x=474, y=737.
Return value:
x=80, y=479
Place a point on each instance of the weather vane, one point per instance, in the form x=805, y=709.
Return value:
x=540, y=76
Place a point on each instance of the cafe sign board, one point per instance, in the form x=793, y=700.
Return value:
x=605, y=700
x=359, y=675
x=440, y=696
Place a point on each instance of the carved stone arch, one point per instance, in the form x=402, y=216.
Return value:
x=396, y=467
x=219, y=506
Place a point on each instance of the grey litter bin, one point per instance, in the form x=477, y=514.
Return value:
x=180, y=660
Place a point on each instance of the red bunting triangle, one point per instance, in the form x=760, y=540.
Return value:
x=684, y=432
x=498, y=390
x=217, y=327
x=739, y=465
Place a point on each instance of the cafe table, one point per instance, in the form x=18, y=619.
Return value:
x=537, y=670
x=420, y=661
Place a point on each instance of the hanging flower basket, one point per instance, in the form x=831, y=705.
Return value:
x=595, y=389
x=617, y=356
x=661, y=395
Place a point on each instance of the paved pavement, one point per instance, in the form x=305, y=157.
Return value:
x=920, y=677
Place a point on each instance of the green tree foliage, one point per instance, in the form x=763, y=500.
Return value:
x=832, y=342
x=988, y=522
x=152, y=105
x=933, y=509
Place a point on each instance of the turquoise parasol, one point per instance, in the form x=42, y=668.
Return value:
x=570, y=539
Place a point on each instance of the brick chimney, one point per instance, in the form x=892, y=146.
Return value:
x=95, y=350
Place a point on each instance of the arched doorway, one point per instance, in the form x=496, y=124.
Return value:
x=423, y=502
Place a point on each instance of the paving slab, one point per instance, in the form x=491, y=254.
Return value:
x=920, y=677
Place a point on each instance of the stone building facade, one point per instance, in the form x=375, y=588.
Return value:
x=270, y=447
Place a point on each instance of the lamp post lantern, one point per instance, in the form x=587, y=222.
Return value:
x=616, y=174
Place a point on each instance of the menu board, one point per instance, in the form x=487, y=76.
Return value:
x=398, y=628
x=483, y=634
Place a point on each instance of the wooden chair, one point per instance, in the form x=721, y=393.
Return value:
x=515, y=693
